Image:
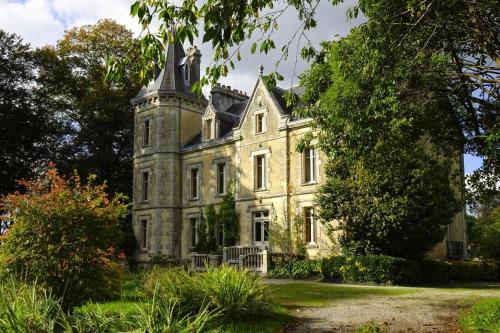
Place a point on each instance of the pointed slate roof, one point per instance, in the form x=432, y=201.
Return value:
x=170, y=78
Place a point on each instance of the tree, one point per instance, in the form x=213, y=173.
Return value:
x=98, y=111
x=63, y=236
x=26, y=125
x=484, y=233
x=387, y=126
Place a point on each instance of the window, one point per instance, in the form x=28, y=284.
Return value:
x=221, y=178
x=145, y=186
x=310, y=225
x=186, y=73
x=208, y=129
x=309, y=165
x=194, y=231
x=260, y=172
x=261, y=228
x=146, y=133
x=144, y=234
x=194, y=188
x=259, y=123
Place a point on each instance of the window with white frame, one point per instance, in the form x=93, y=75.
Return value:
x=310, y=225
x=194, y=183
x=261, y=228
x=144, y=233
x=259, y=123
x=193, y=223
x=309, y=164
x=208, y=129
x=260, y=172
x=221, y=178
x=146, y=133
x=145, y=186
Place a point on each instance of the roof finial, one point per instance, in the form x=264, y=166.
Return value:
x=261, y=69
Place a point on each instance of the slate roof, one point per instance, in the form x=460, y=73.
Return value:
x=170, y=78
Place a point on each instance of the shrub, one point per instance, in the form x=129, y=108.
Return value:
x=391, y=270
x=483, y=317
x=63, y=237
x=296, y=269
x=232, y=292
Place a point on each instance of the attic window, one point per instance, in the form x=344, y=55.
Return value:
x=186, y=73
x=208, y=129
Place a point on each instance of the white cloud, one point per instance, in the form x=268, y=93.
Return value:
x=42, y=22
x=33, y=20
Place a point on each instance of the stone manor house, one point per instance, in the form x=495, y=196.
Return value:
x=187, y=150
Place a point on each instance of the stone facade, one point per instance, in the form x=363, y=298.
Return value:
x=188, y=150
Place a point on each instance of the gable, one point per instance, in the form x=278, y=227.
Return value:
x=262, y=103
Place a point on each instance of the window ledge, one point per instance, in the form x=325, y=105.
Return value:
x=220, y=195
x=261, y=190
x=194, y=199
x=311, y=246
x=309, y=183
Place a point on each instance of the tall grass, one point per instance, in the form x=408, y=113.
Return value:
x=27, y=308
x=232, y=292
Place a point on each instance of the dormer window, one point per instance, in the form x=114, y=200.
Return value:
x=208, y=129
x=186, y=73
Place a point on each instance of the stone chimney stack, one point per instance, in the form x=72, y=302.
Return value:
x=223, y=97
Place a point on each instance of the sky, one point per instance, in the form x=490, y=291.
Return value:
x=42, y=22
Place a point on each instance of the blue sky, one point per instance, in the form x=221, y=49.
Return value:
x=42, y=22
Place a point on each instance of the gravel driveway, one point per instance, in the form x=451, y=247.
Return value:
x=428, y=310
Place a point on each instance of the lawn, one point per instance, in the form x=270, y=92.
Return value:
x=319, y=294
x=290, y=295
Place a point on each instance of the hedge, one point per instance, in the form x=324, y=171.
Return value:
x=392, y=270
x=381, y=269
x=296, y=269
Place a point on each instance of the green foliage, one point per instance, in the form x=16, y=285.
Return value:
x=485, y=234
x=27, y=308
x=220, y=227
x=296, y=269
x=484, y=317
x=287, y=233
x=391, y=270
x=392, y=150
x=369, y=328
x=228, y=217
x=210, y=215
x=23, y=110
x=232, y=292
x=63, y=237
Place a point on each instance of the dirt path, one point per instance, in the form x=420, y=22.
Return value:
x=428, y=311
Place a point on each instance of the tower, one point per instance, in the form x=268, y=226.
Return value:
x=167, y=115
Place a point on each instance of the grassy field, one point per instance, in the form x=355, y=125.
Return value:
x=291, y=295
x=484, y=316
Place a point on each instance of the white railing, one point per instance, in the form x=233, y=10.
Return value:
x=232, y=254
x=199, y=261
x=252, y=258
x=255, y=262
